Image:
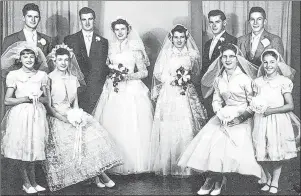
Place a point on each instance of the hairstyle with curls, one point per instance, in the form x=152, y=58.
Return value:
x=18, y=62
x=120, y=21
x=180, y=29
x=62, y=51
x=228, y=46
x=217, y=13
x=86, y=10
x=271, y=53
x=257, y=9
x=29, y=7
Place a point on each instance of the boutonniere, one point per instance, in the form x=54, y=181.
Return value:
x=42, y=41
x=265, y=42
x=97, y=38
x=222, y=39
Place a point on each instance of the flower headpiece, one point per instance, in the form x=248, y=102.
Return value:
x=52, y=54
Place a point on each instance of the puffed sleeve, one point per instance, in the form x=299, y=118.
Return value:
x=286, y=86
x=140, y=63
x=11, y=80
x=217, y=101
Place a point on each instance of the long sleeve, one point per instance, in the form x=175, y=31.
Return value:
x=140, y=63
x=247, y=87
x=217, y=101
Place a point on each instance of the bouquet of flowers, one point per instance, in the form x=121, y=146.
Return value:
x=258, y=105
x=226, y=114
x=183, y=78
x=117, y=73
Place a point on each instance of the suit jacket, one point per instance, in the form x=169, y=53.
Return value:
x=93, y=67
x=244, y=44
x=19, y=36
x=206, y=60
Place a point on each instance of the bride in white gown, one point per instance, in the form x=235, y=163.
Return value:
x=127, y=114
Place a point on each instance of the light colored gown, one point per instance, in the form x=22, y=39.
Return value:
x=128, y=113
x=98, y=152
x=273, y=135
x=178, y=118
x=24, y=128
x=221, y=148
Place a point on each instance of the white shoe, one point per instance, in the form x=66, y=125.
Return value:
x=218, y=190
x=100, y=185
x=39, y=188
x=205, y=191
x=110, y=184
x=29, y=190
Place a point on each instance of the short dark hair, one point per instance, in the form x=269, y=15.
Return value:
x=269, y=52
x=228, y=46
x=257, y=9
x=217, y=13
x=62, y=51
x=18, y=62
x=180, y=29
x=120, y=21
x=29, y=7
x=86, y=10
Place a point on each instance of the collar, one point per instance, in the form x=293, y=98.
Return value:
x=236, y=72
x=179, y=52
x=85, y=33
x=257, y=36
x=26, y=31
x=219, y=35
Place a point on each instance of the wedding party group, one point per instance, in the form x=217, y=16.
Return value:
x=81, y=110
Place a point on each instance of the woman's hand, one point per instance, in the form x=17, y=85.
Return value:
x=26, y=100
x=267, y=112
x=44, y=100
x=233, y=122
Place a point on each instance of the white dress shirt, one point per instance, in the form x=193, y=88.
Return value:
x=254, y=42
x=214, y=42
x=88, y=40
x=31, y=36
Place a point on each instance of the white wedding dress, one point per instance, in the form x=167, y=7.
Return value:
x=127, y=114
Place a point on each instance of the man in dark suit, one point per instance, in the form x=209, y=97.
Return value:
x=31, y=18
x=91, y=52
x=217, y=24
x=253, y=44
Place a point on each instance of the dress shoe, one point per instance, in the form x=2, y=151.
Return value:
x=29, y=190
x=39, y=188
x=204, y=191
x=109, y=184
x=273, y=189
x=100, y=185
x=218, y=190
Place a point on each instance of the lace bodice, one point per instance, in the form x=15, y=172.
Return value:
x=26, y=84
x=126, y=54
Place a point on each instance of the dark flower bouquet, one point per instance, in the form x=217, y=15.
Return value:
x=116, y=74
x=183, y=79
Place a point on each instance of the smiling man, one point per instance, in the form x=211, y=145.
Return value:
x=253, y=44
x=217, y=24
x=29, y=33
x=91, y=52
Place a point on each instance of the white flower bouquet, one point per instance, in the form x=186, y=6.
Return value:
x=226, y=114
x=258, y=105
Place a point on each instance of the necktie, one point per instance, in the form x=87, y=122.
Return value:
x=89, y=37
x=33, y=37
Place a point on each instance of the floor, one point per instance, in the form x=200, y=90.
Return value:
x=149, y=184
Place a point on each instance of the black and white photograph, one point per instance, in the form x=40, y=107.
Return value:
x=150, y=97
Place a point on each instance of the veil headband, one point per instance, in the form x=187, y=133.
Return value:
x=73, y=67
x=12, y=53
x=284, y=69
x=216, y=68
